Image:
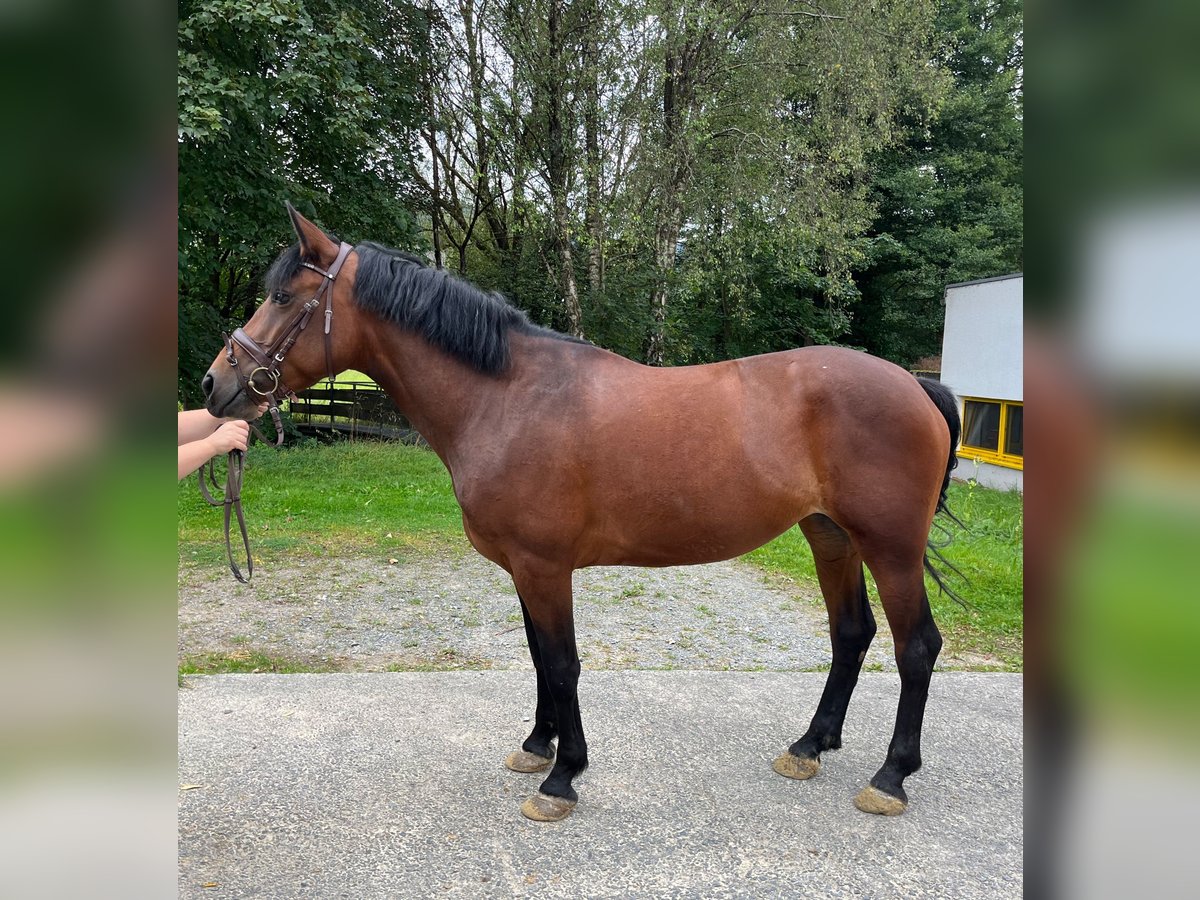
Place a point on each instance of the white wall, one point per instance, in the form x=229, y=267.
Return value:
x=982, y=346
x=982, y=356
x=1001, y=478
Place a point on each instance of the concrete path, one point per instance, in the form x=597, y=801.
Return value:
x=391, y=785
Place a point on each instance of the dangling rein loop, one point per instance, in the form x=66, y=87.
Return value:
x=268, y=360
x=232, y=504
x=233, y=494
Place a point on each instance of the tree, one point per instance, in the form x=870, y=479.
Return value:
x=623, y=135
x=681, y=182
x=949, y=199
x=771, y=112
x=312, y=101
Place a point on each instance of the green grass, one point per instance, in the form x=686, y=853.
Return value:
x=340, y=498
x=248, y=661
x=352, y=375
x=392, y=500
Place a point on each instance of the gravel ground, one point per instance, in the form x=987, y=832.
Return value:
x=447, y=611
x=390, y=785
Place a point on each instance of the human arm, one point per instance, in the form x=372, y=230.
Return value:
x=195, y=424
x=202, y=436
x=228, y=436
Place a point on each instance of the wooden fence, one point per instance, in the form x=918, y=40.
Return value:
x=355, y=408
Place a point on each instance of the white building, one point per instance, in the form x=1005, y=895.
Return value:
x=982, y=364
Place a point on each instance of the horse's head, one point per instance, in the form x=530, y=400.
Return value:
x=294, y=338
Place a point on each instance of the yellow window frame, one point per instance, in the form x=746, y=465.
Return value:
x=995, y=457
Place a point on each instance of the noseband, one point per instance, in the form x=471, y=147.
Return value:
x=268, y=360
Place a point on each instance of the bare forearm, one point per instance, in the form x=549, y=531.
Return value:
x=193, y=455
x=195, y=424
x=229, y=435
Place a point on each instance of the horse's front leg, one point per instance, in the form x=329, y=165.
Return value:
x=546, y=598
x=537, y=753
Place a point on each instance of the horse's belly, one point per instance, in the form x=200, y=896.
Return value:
x=682, y=540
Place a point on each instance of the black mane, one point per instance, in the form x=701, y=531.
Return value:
x=470, y=324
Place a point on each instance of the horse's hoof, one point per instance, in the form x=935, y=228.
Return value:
x=872, y=800
x=545, y=808
x=524, y=761
x=797, y=767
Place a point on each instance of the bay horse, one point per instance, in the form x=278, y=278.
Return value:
x=564, y=455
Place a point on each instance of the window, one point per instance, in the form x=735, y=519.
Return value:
x=993, y=431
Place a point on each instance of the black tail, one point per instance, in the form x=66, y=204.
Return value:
x=943, y=398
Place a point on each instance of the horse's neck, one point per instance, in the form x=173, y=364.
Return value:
x=438, y=394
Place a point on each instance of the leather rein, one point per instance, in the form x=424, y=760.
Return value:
x=265, y=381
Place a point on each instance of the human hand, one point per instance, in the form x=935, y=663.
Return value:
x=230, y=436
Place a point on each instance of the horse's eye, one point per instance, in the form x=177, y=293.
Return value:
x=282, y=298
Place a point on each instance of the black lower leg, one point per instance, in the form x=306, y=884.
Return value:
x=915, y=662
x=851, y=630
x=561, y=666
x=544, y=728
x=546, y=595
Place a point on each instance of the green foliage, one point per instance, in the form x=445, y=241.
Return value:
x=310, y=101
x=950, y=198
x=617, y=316
x=783, y=111
x=753, y=288
x=730, y=188
x=764, y=174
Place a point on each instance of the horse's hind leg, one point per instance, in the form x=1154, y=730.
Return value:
x=901, y=586
x=537, y=753
x=851, y=628
x=546, y=595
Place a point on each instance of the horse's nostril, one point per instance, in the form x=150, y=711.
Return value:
x=207, y=385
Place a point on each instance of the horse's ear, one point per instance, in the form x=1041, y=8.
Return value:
x=315, y=245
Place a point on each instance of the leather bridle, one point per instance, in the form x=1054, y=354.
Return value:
x=268, y=361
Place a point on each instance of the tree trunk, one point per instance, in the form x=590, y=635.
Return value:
x=666, y=238
x=676, y=91
x=430, y=137
x=435, y=205
x=566, y=261
x=591, y=128
x=484, y=196
x=557, y=169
